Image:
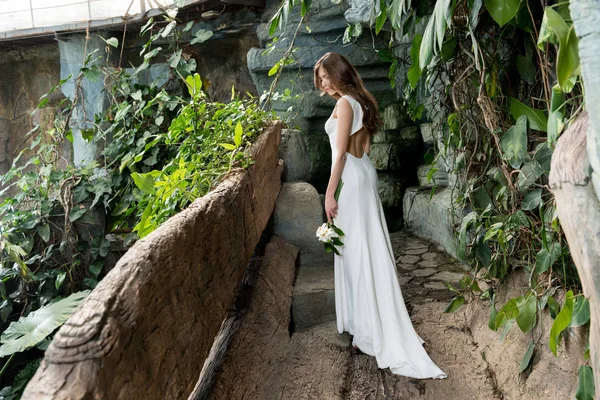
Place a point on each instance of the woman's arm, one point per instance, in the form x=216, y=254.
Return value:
x=344, y=125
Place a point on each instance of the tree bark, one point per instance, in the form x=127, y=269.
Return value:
x=579, y=214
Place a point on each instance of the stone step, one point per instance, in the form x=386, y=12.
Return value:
x=314, y=298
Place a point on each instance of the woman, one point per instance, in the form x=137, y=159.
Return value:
x=368, y=300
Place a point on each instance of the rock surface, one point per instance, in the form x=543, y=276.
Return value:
x=432, y=216
x=293, y=152
x=298, y=213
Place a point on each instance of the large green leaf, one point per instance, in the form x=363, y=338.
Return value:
x=527, y=312
x=581, y=312
x=514, y=143
x=586, y=389
x=567, y=61
x=433, y=37
x=537, y=118
x=502, y=10
x=553, y=28
x=561, y=322
x=32, y=329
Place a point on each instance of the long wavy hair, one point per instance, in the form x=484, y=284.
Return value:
x=343, y=77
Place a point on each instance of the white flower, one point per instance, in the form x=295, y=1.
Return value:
x=324, y=233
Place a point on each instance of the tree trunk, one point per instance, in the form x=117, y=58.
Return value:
x=575, y=172
x=579, y=214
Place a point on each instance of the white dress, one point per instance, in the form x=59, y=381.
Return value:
x=368, y=300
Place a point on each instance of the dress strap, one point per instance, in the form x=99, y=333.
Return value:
x=357, y=118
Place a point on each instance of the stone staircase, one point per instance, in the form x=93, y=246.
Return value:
x=298, y=213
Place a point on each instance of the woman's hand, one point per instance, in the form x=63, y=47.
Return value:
x=331, y=207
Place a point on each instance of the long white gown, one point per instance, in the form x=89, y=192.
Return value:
x=368, y=301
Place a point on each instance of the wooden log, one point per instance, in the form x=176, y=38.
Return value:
x=146, y=329
x=579, y=215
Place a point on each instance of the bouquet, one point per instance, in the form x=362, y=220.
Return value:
x=329, y=234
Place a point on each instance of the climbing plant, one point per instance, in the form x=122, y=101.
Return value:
x=505, y=78
x=161, y=142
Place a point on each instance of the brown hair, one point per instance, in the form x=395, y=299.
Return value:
x=345, y=78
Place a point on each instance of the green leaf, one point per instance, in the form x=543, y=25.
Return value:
x=395, y=10
x=529, y=174
x=122, y=110
x=201, y=36
x=502, y=11
x=561, y=322
x=414, y=72
x=448, y=49
x=514, y=143
x=543, y=155
x=532, y=200
x=381, y=18
x=526, y=68
x=433, y=37
x=76, y=213
x=93, y=73
x=44, y=232
x=586, y=389
x=228, y=146
x=96, y=268
x=527, y=312
x=274, y=69
x=30, y=330
x=536, y=118
x=175, y=58
x=527, y=357
x=145, y=182
x=338, y=190
x=454, y=305
x=60, y=278
x=237, y=139
x=510, y=311
x=567, y=61
x=114, y=42
x=43, y=103
x=194, y=84
x=546, y=258
x=553, y=28
x=581, y=312
x=556, y=116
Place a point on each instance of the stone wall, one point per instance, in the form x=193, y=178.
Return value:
x=26, y=74
x=146, y=329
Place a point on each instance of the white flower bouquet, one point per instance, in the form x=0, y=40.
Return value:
x=329, y=234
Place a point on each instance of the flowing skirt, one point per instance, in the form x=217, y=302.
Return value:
x=368, y=300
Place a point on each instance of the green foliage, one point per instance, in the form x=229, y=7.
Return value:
x=502, y=10
x=35, y=327
x=433, y=37
x=585, y=390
